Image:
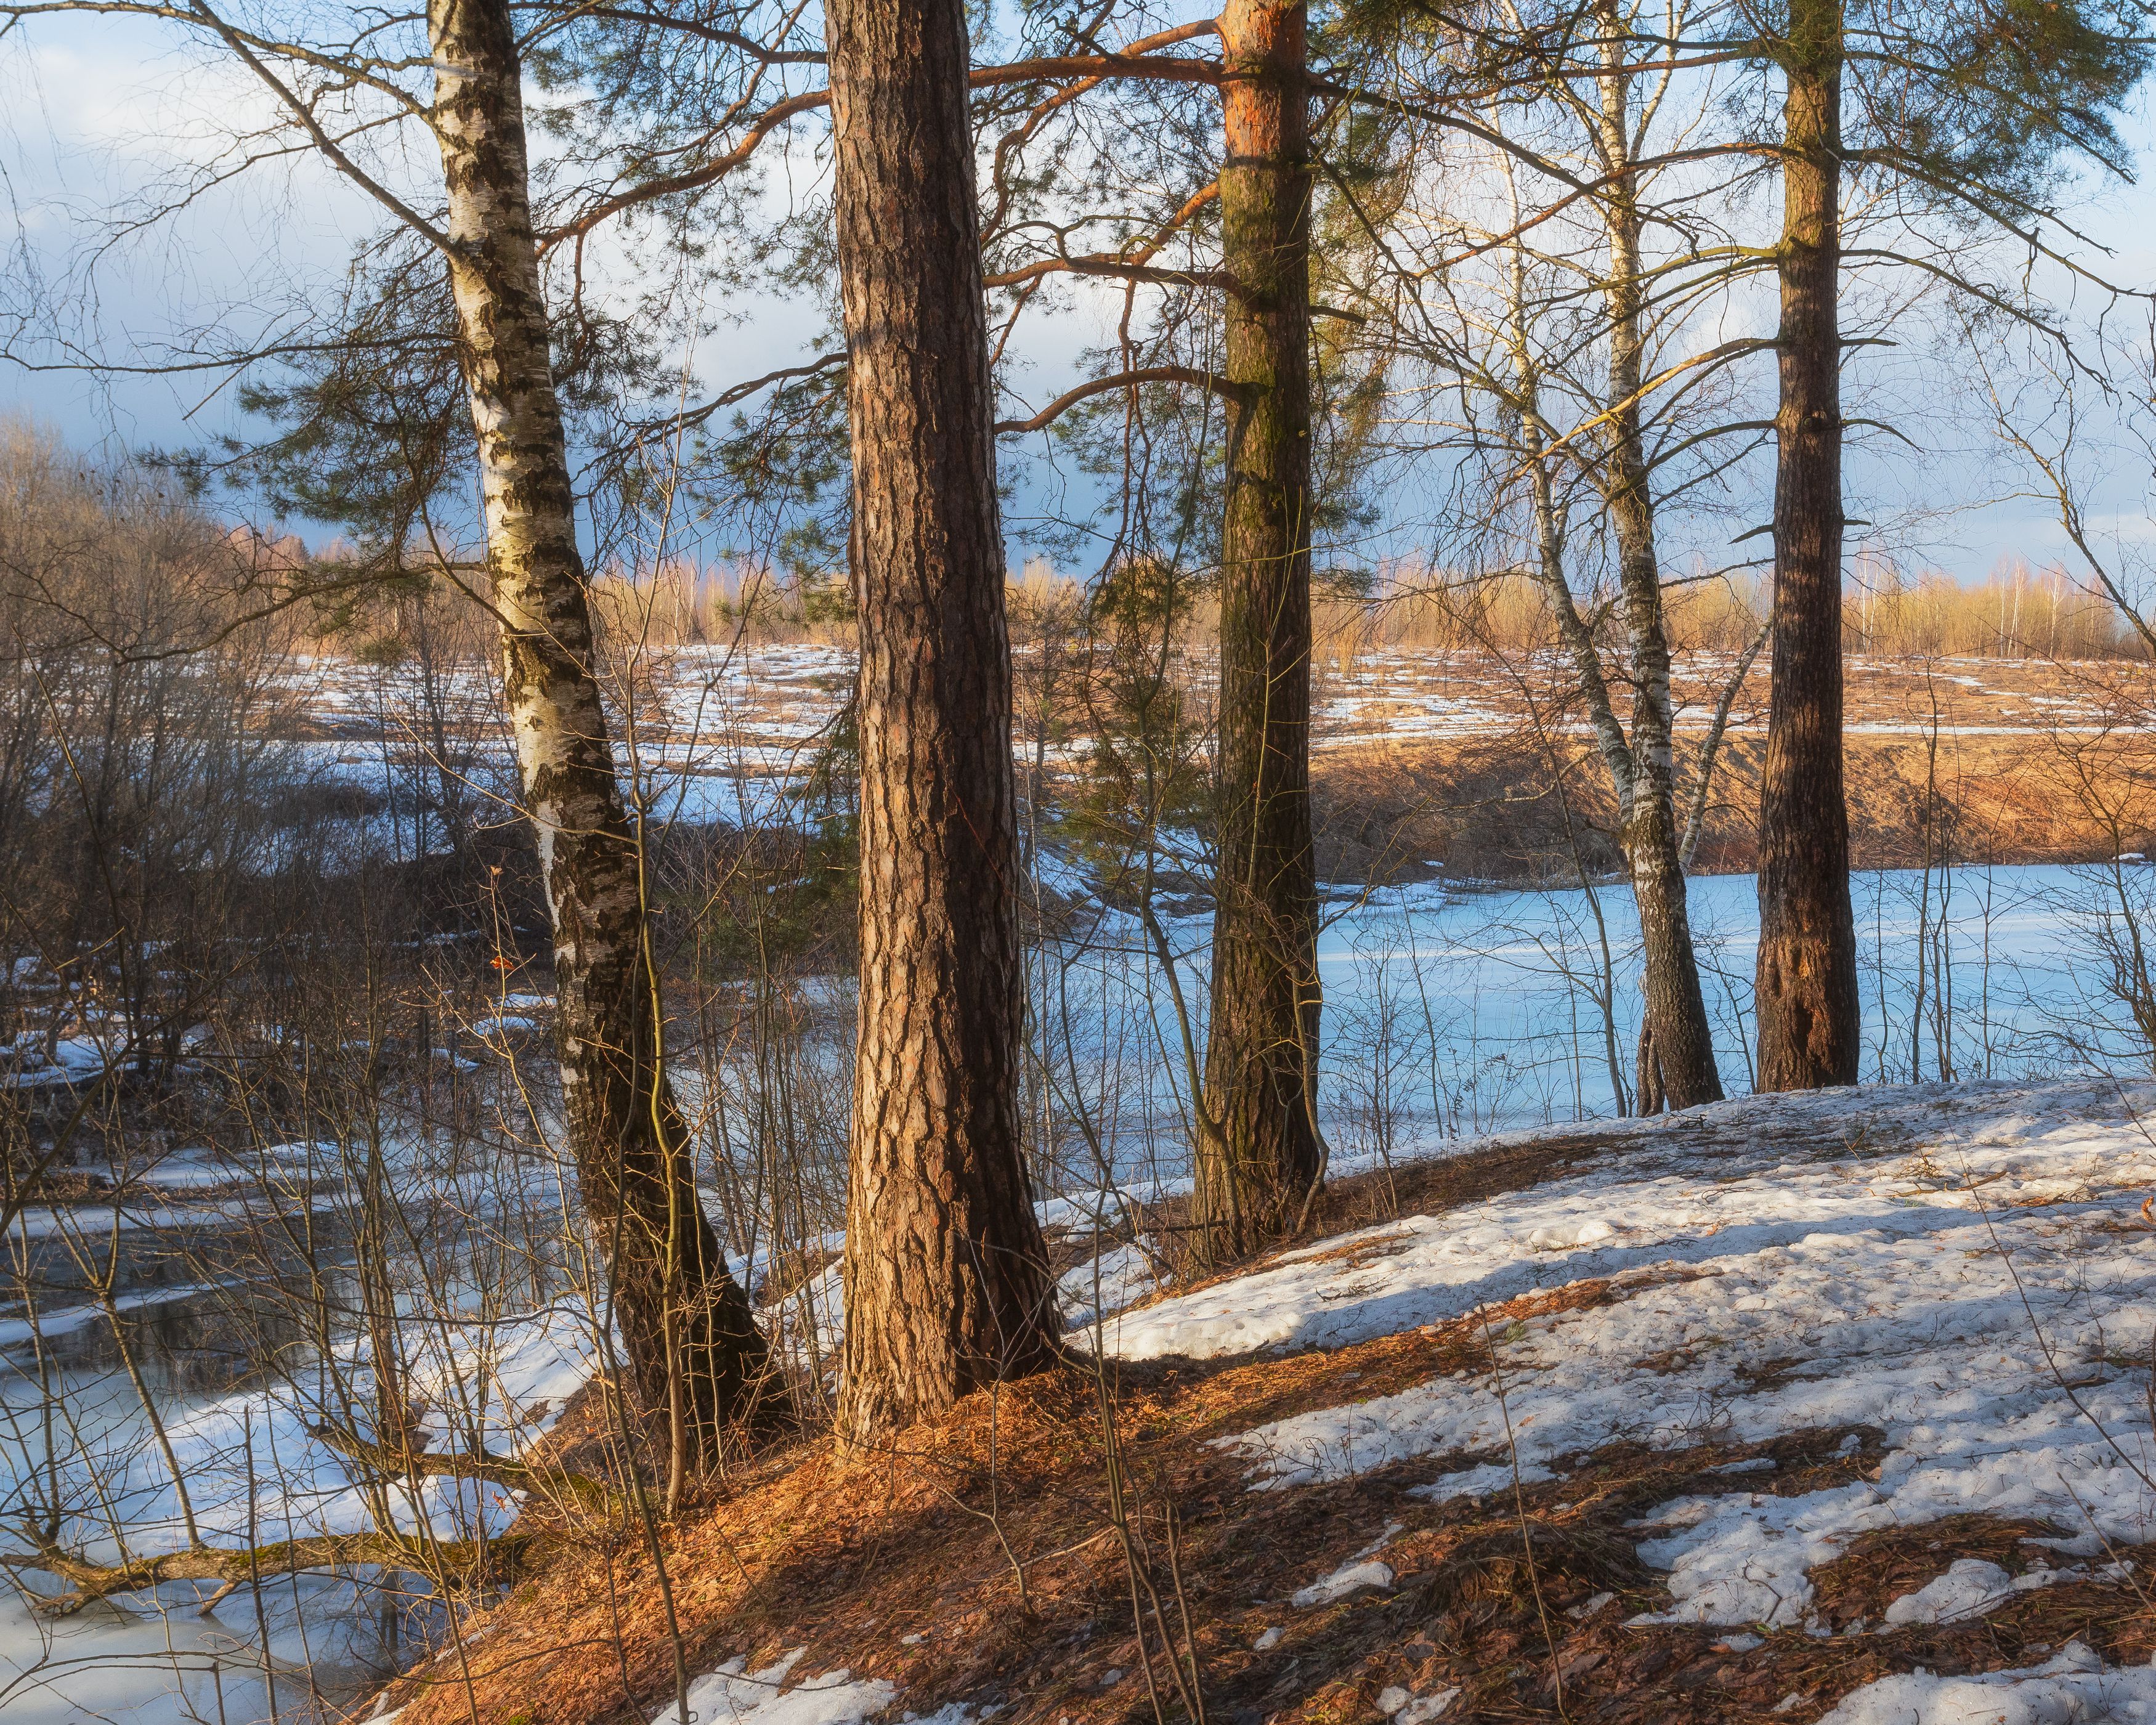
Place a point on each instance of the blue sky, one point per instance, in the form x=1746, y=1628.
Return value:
x=96, y=106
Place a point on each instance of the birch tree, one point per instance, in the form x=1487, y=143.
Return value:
x=692, y=1341
x=698, y=1362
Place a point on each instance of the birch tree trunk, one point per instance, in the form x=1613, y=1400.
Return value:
x=1258, y=1153
x=1677, y=1065
x=1806, y=984
x=692, y=1342
x=946, y=1278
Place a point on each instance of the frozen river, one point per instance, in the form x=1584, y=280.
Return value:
x=1452, y=1011
x=1448, y=1012
x=2007, y=961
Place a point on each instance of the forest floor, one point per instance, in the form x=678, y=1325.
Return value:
x=1834, y=1407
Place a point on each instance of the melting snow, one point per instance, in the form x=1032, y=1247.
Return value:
x=1116, y=1278
x=1349, y=1579
x=1970, y=1588
x=1964, y=1271
x=734, y=1692
x=1480, y=1481
x=2071, y=1688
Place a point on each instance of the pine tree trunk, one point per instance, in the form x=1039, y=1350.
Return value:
x=946, y=1278
x=1676, y=1061
x=693, y=1346
x=1258, y=1155
x=1806, y=993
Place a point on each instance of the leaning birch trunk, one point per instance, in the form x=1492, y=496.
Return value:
x=1806, y=984
x=1259, y=1153
x=946, y=1278
x=1676, y=1042
x=693, y=1346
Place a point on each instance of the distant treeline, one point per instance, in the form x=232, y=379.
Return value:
x=2019, y=613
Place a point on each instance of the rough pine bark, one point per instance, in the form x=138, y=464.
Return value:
x=1677, y=1067
x=1806, y=986
x=693, y=1346
x=946, y=1278
x=1258, y=1153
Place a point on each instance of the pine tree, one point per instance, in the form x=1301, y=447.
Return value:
x=946, y=1277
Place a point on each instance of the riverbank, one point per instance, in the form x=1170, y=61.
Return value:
x=1808, y=1408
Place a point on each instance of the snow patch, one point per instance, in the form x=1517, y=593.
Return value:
x=1102, y=1287
x=1572, y=1233
x=1405, y=1708
x=734, y=1692
x=1479, y=1481
x=2074, y=1687
x=1348, y=1579
x=1970, y=1588
x=1939, y=1283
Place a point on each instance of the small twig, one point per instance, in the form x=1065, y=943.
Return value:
x=1520, y=1506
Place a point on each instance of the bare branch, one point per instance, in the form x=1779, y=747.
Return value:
x=1123, y=380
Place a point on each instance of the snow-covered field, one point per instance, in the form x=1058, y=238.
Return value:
x=727, y=731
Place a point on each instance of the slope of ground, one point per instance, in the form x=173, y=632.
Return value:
x=1830, y=1406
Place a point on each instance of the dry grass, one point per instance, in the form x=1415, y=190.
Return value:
x=2019, y=614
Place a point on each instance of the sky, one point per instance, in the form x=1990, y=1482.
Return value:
x=98, y=110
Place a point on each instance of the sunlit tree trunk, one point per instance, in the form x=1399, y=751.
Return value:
x=1677, y=1065
x=946, y=1278
x=1807, y=1000
x=693, y=1346
x=1258, y=1153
